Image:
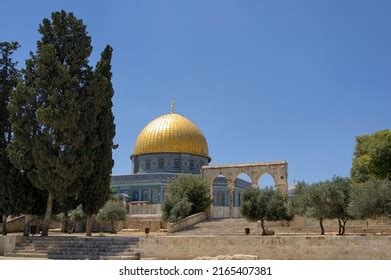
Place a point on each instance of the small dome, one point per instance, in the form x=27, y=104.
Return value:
x=171, y=133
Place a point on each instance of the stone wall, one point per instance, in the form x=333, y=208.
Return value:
x=14, y=225
x=105, y=226
x=222, y=212
x=187, y=222
x=17, y=224
x=140, y=222
x=267, y=247
x=145, y=209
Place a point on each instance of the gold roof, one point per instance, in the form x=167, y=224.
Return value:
x=171, y=133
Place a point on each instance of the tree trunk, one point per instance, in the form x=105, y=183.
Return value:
x=263, y=227
x=339, y=227
x=27, y=221
x=112, y=226
x=65, y=223
x=48, y=216
x=4, y=224
x=89, y=225
x=343, y=226
x=321, y=227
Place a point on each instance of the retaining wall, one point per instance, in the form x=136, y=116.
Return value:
x=267, y=247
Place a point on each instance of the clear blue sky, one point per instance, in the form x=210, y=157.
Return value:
x=264, y=80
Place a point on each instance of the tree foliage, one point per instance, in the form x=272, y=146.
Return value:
x=324, y=200
x=372, y=157
x=113, y=211
x=17, y=195
x=186, y=195
x=99, y=134
x=8, y=80
x=263, y=205
x=77, y=214
x=371, y=199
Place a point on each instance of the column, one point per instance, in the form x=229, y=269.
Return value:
x=231, y=186
x=210, y=208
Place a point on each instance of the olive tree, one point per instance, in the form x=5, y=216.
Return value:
x=324, y=200
x=113, y=211
x=263, y=205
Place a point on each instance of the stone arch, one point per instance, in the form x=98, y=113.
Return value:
x=266, y=180
x=244, y=176
x=278, y=170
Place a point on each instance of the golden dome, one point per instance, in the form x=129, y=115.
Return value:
x=171, y=133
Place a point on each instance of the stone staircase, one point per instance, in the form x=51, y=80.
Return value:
x=78, y=248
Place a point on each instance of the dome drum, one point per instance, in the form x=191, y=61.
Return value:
x=168, y=162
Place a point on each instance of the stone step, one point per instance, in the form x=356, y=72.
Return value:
x=26, y=255
x=78, y=248
x=82, y=238
x=135, y=256
x=28, y=250
x=70, y=245
x=94, y=257
x=74, y=250
x=104, y=254
x=95, y=239
x=78, y=243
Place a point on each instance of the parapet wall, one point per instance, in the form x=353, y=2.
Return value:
x=14, y=225
x=187, y=222
x=268, y=247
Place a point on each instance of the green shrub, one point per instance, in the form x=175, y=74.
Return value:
x=186, y=195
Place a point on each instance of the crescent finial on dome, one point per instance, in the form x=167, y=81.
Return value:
x=172, y=106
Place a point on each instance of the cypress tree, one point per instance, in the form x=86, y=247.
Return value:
x=100, y=131
x=46, y=110
x=8, y=80
x=16, y=192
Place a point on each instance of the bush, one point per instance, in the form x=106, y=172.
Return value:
x=186, y=195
